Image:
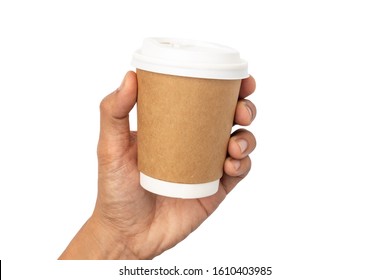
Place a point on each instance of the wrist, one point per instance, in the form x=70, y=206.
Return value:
x=97, y=241
x=108, y=242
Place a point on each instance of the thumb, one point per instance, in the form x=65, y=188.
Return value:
x=115, y=109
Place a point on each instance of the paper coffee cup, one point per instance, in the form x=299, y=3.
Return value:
x=187, y=95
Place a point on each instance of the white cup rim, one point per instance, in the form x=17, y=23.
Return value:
x=178, y=190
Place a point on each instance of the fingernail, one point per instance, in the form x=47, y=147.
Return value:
x=236, y=164
x=243, y=144
x=249, y=110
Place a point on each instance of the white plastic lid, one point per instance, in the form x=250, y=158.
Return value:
x=190, y=58
x=178, y=190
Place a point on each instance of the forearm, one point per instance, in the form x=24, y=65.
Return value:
x=94, y=242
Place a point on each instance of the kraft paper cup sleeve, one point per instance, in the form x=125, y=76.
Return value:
x=184, y=126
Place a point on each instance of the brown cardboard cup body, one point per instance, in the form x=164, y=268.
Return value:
x=184, y=126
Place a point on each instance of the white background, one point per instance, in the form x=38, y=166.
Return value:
x=316, y=203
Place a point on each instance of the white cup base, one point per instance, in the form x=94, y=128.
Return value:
x=178, y=190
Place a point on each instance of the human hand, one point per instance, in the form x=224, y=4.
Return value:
x=129, y=222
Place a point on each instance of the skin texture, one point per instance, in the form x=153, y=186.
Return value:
x=129, y=222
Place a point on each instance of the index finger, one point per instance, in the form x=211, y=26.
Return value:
x=248, y=86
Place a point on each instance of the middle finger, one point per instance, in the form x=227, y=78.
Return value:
x=245, y=112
